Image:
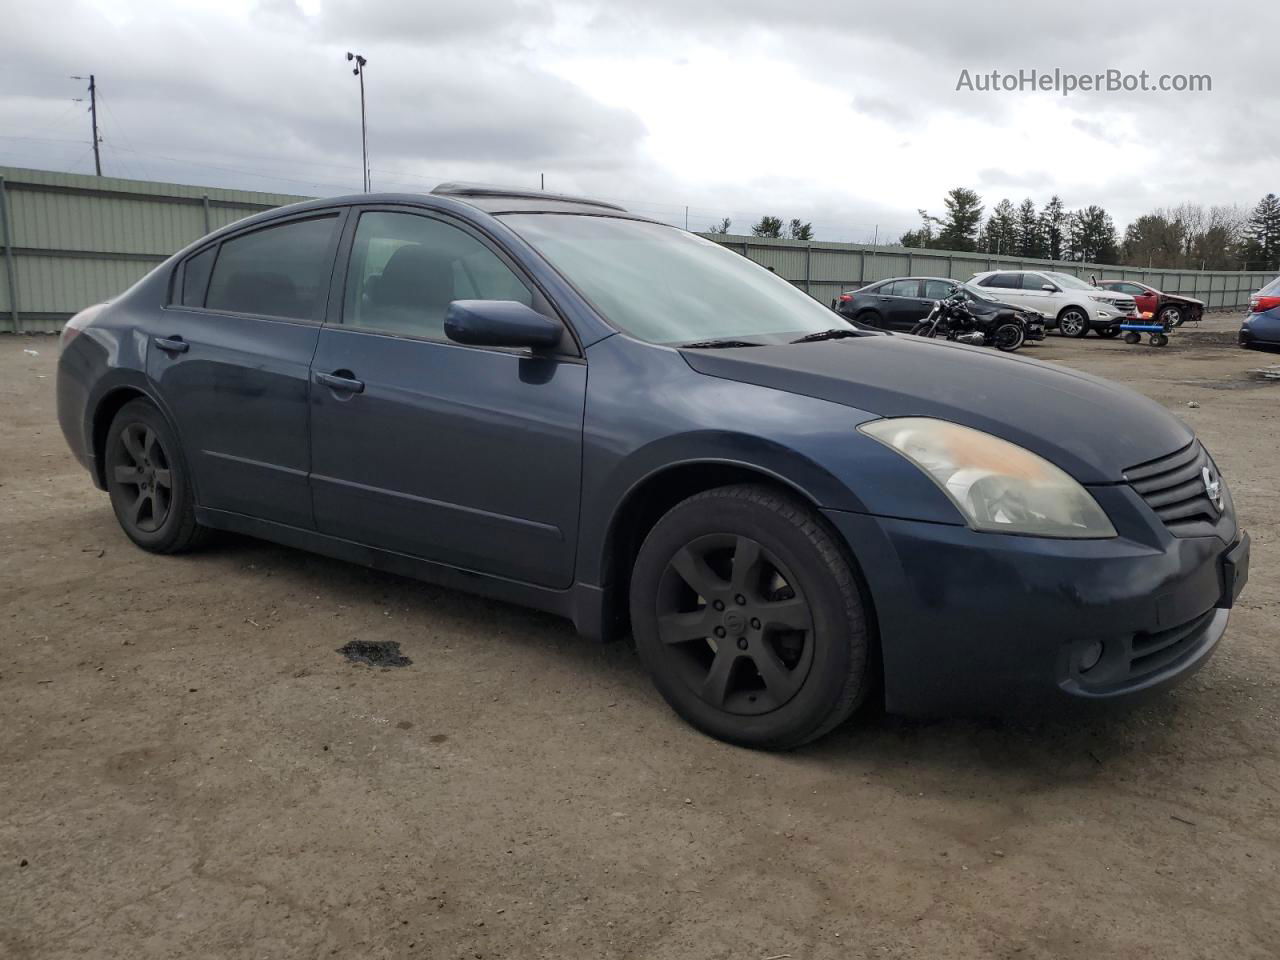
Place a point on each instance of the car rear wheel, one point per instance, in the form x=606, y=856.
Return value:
x=871, y=318
x=1073, y=322
x=147, y=481
x=1170, y=316
x=747, y=615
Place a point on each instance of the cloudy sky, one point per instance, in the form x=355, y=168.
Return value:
x=843, y=113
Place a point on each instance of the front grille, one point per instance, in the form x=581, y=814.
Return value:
x=1126, y=306
x=1152, y=652
x=1173, y=487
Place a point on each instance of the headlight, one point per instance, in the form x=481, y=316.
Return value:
x=998, y=487
x=1106, y=300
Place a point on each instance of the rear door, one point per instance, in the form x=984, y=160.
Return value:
x=902, y=303
x=1034, y=295
x=231, y=357
x=467, y=456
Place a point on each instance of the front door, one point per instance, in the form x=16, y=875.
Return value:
x=231, y=355
x=462, y=455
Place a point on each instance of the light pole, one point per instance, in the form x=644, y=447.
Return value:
x=364, y=133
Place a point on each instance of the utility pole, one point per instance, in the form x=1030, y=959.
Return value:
x=364, y=130
x=93, y=115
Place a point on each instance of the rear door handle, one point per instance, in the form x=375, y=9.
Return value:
x=341, y=380
x=172, y=344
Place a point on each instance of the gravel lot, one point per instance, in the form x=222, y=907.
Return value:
x=191, y=770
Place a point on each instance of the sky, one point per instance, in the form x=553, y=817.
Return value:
x=845, y=114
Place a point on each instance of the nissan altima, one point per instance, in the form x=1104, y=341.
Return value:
x=555, y=402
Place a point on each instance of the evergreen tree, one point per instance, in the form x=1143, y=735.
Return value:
x=1053, y=228
x=722, y=227
x=1030, y=241
x=964, y=216
x=1091, y=236
x=768, y=227
x=1262, y=232
x=801, y=231
x=1002, y=230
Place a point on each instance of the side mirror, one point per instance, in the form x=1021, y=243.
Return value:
x=1049, y=288
x=499, y=323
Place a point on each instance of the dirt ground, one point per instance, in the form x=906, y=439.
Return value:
x=189, y=769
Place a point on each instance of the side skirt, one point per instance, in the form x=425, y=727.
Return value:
x=582, y=603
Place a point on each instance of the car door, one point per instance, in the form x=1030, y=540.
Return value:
x=1034, y=296
x=1148, y=301
x=462, y=455
x=902, y=303
x=231, y=358
x=935, y=290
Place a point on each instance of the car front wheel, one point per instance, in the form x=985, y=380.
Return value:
x=147, y=481
x=1073, y=322
x=1171, y=316
x=748, y=617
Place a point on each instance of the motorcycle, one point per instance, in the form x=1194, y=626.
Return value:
x=964, y=319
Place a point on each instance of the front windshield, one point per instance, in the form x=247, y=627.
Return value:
x=664, y=285
x=1066, y=280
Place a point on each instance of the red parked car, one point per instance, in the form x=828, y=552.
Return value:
x=1170, y=308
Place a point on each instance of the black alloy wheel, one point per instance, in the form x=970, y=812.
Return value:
x=1009, y=337
x=747, y=613
x=146, y=479
x=740, y=631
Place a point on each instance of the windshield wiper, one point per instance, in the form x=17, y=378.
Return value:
x=833, y=334
x=717, y=344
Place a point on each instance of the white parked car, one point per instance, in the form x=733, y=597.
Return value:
x=1072, y=305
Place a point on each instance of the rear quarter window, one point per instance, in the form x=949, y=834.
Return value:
x=195, y=278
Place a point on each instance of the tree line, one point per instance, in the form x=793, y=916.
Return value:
x=770, y=227
x=1186, y=237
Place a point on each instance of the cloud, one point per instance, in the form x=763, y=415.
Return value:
x=843, y=114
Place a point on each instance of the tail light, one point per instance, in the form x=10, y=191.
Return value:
x=845, y=297
x=1263, y=304
x=71, y=329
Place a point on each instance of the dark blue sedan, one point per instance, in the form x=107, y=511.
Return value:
x=1261, y=328
x=552, y=401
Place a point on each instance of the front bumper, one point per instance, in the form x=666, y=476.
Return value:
x=982, y=623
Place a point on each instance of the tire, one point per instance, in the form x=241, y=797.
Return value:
x=710, y=648
x=1159, y=340
x=148, y=482
x=1008, y=337
x=1108, y=333
x=1171, y=316
x=871, y=318
x=1073, y=322
x=1132, y=337
x=921, y=329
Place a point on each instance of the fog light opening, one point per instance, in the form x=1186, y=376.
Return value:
x=1090, y=656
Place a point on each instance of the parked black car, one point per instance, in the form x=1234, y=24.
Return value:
x=898, y=303
x=555, y=402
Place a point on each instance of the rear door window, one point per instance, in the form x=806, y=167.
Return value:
x=903, y=288
x=938, y=289
x=1005, y=281
x=280, y=271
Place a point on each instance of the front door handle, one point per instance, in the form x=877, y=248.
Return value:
x=341, y=380
x=172, y=344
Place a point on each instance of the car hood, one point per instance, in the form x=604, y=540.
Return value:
x=1090, y=427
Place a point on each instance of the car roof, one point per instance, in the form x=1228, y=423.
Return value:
x=496, y=199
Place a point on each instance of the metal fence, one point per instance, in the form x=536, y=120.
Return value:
x=71, y=240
